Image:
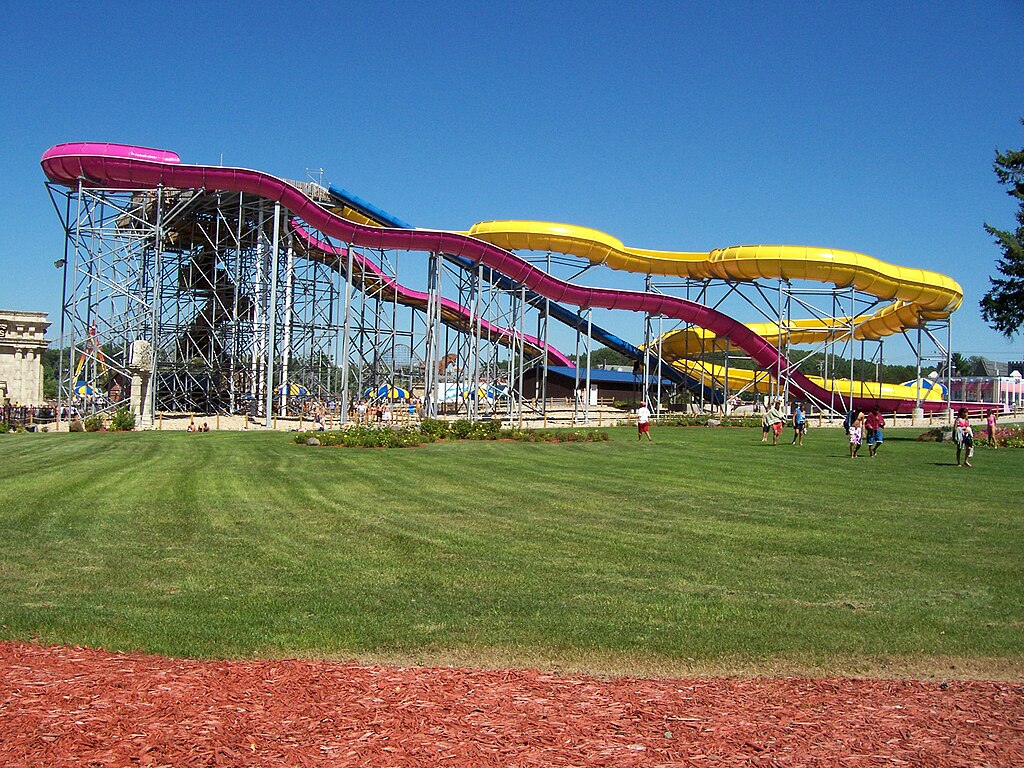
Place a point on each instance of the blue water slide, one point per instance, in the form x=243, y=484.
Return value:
x=562, y=314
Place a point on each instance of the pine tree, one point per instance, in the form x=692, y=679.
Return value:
x=1003, y=306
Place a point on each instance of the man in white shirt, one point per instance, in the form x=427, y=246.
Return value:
x=643, y=422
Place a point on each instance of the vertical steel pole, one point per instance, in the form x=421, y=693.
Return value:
x=547, y=319
x=74, y=296
x=272, y=319
x=257, y=326
x=63, y=307
x=647, y=345
x=430, y=363
x=576, y=370
x=346, y=332
x=949, y=366
x=287, y=352
x=157, y=299
x=661, y=358
x=586, y=394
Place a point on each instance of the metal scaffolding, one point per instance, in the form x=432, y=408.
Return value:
x=211, y=281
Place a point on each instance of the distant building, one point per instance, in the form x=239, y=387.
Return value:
x=990, y=382
x=617, y=385
x=22, y=341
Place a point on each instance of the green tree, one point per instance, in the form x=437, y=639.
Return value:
x=1003, y=306
x=603, y=356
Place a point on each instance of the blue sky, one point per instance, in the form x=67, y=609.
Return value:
x=865, y=126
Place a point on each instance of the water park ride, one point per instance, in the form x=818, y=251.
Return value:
x=168, y=216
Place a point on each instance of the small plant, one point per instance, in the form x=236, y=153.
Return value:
x=123, y=420
x=94, y=423
x=76, y=426
x=4, y=428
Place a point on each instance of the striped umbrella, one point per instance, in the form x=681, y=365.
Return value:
x=389, y=391
x=292, y=390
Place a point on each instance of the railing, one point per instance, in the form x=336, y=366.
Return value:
x=30, y=417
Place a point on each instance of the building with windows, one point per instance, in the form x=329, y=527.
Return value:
x=991, y=382
x=22, y=341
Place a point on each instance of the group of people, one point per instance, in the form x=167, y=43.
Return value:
x=863, y=428
x=963, y=435
x=774, y=419
x=364, y=412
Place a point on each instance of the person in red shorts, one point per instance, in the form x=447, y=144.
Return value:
x=643, y=422
x=874, y=424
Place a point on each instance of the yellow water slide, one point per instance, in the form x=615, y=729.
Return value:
x=744, y=380
x=914, y=296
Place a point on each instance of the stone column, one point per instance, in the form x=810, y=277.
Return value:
x=141, y=367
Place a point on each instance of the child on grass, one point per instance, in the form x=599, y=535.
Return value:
x=856, y=435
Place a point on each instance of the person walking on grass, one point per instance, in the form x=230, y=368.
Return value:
x=963, y=436
x=873, y=425
x=776, y=418
x=799, y=424
x=990, y=427
x=643, y=422
x=856, y=435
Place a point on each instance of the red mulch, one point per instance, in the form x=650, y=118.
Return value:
x=63, y=706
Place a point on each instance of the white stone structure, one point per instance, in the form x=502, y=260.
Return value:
x=22, y=341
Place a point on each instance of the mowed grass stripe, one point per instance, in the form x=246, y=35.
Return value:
x=705, y=545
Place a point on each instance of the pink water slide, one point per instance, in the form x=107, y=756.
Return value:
x=123, y=167
x=452, y=311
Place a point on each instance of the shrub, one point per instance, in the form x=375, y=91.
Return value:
x=701, y=420
x=1006, y=437
x=368, y=437
x=434, y=427
x=94, y=423
x=76, y=426
x=358, y=436
x=123, y=420
x=4, y=428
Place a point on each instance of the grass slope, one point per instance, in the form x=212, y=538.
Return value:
x=705, y=550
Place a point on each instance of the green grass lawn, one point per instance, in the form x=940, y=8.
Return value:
x=704, y=551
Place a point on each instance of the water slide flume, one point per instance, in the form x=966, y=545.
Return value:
x=356, y=209
x=452, y=313
x=917, y=295
x=117, y=166
x=740, y=379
